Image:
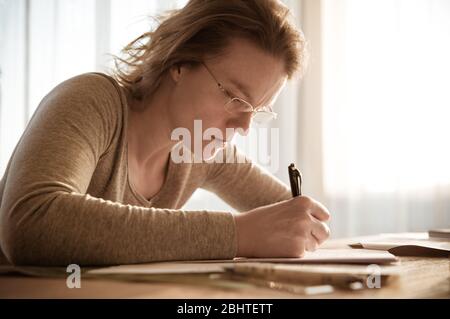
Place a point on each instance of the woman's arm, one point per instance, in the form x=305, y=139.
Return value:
x=271, y=223
x=47, y=218
x=242, y=183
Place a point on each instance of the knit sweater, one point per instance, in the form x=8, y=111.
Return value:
x=66, y=198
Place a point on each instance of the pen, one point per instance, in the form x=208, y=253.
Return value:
x=295, y=177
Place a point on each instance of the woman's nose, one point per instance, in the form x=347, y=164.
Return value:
x=242, y=123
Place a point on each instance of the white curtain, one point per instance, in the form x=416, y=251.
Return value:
x=386, y=113
x=44, y=42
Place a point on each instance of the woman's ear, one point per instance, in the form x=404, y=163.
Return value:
x=175, y=72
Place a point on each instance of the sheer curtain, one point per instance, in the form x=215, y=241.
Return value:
x=386, y=111
x=44, y=42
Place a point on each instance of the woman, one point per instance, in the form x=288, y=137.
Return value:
x=93, y=180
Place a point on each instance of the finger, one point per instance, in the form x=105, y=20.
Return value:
x=311, y=244
x=320, y=212
x=320, y=231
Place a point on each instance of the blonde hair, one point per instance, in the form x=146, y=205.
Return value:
x=203, y=27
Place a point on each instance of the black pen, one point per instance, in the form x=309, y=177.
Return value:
x=295, y=177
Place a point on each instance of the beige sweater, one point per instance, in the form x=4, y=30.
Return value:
x=65, y=196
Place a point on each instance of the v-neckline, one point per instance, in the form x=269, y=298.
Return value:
x=136, y=194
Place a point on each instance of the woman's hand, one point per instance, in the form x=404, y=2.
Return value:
x=284, y=229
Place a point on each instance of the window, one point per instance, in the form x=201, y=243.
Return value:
x=386, y=108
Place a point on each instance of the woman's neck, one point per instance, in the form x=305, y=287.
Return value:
x=149, y=129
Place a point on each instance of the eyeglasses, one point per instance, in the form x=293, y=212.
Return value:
x=236, y=105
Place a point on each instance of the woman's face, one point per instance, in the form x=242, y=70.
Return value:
x=244, y=70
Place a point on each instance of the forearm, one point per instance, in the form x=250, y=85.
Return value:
x=73, y=228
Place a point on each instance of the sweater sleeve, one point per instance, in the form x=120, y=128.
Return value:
x=46, y=216
x=241, y=183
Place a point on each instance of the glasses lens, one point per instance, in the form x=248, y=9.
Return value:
x=237, y=105
x=263, y=117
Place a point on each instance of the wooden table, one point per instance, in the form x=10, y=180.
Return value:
x=423, y=277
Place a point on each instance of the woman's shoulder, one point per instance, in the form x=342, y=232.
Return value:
x=93, y=84
x=86, y=93
x=90, y=103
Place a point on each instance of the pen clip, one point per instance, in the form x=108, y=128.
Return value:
x=295, y=178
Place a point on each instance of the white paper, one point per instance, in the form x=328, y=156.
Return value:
x=326, y=256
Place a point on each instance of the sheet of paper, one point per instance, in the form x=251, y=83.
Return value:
x=353, y=269
x=335, y=256
x=407, y=244
x=160, y=268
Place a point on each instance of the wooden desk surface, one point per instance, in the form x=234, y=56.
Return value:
x=420, y=278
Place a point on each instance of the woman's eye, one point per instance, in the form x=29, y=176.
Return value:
x=229, y=94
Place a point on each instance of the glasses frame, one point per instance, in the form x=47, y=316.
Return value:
x=264, y=110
